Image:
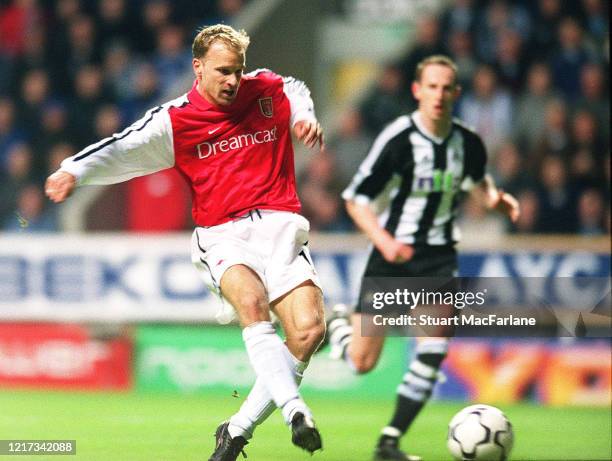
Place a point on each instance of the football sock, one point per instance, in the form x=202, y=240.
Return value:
x=266, y=353
x=258, y=406
x=340, y=334
x=417, y=384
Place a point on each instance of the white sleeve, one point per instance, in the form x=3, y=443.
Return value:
x=302, y=107
x=143, y=148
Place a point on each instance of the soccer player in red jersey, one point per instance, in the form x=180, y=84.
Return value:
x=230, y=138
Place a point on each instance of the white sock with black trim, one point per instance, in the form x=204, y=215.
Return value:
x=340, y=333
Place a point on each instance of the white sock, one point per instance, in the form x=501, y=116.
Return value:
x=258, y=405
x=265, y=350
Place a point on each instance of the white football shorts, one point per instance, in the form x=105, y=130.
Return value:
x=271, y=243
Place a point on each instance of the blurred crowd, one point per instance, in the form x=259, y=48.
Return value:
x=75, y=71
x=535, y=86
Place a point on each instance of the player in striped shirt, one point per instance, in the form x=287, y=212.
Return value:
x=405, y=197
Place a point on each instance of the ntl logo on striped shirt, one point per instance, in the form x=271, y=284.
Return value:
x=439, y=181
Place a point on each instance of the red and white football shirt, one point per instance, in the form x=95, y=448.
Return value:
x=235, y=158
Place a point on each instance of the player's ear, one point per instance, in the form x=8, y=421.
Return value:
x=416, y=90
x=198, y=67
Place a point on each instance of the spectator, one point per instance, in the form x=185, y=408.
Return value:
x=585, y=134
x=427, y=41
x=107, y=121
x=527, y=222
x=64, y=13
x=547, y=17
x=17, y=20
x=498, y=16
x=57, y=153
x=34, y=95
x=145, y=92
x=591, y=213
x=172, y=59
x=488, y=108
x=31, y=215
x=597, y=19
x=113, y=21
x=460, y=16
x=386, y=101
x=531, y=106
x=583, y=169
x=509, y=171
x=568, y=61
x=320, y=194
x=594, y=97
x=119, y=70
x=89, y=97
x=349, y=146
x=18, y=174
x=54, y=129
x=510, y=61
x=157, y=14
x=227, y=11
x=557, y=209
x=461, y=50
x=33, y=57
x=83, y=49
x=9, y=133
x=553, y=137
x=54, y=124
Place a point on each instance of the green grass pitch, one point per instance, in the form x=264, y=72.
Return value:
x=134, y=427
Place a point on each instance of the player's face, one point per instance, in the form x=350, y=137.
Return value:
x=436, y=92
x=219, y=73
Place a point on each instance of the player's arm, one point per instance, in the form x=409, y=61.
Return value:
x=304, y=123
x=481, y=184
x=369, y=182
x=366, y=220
x=497, y=199
x=143, y=148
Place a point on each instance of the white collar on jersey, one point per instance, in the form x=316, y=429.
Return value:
x=416, y=116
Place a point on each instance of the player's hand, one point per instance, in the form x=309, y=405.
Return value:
x=396, y=252
x=309, y=133
x=508, y=205
x=59, y=186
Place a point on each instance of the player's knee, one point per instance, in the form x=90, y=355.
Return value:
x=317, y=334
x=310, y=338
x=252, y=307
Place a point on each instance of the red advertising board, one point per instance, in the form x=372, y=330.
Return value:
x=62, y=356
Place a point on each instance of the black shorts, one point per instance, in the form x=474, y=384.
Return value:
x=427, y=261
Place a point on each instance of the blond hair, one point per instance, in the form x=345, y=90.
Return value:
x=438, y=59
x=235, y=39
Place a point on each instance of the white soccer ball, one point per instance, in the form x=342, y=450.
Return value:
x=479, y=433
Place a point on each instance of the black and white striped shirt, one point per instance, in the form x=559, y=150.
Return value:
x=415, y=181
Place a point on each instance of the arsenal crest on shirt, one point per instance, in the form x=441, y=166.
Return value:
x=267, y=109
